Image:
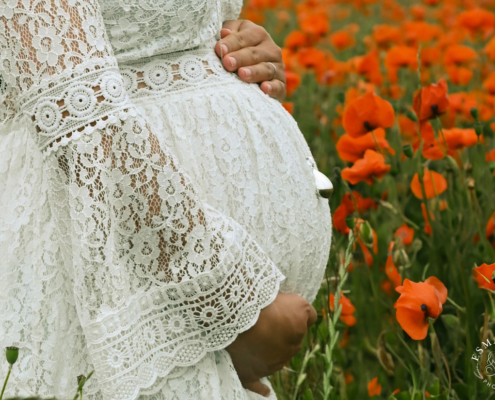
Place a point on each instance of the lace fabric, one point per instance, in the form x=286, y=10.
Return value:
x=151, y=207
x=158, y=277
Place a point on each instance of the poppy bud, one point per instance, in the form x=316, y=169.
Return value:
x=474, y=113
x=478, y=129
x=81, y=380
x=340, y=97
x=365, y=232
x=12, y=353
x=491, y=165
x=408, y=150
x=337, y=171
x=411, y=115
x=394, y=171
x=350, y=222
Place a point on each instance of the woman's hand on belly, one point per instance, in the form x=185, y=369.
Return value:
x=248, y=49
x=275, y=338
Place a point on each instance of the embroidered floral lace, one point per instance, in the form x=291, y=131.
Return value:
x=158, y=277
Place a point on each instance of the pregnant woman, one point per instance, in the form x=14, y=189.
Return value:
x=160, y=221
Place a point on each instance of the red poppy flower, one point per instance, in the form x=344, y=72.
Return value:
x=347, y=207
x=342, y=40
x=483, y=275
x=296, y=39
x=434, y=183
x=374, y=388
x=315, y=24
x=347, y=309
x=372, y=165
x=293, y=81
x=367, y=113
x=431, y=101
x=476, y=20
x=405, y=233
x=458, y=54
x=352, y=149
x=417, y=302
x=400, y=57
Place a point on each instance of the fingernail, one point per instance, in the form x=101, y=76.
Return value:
x=233, y=61
x=268, y=87
x=225, y=50
x=247, y=71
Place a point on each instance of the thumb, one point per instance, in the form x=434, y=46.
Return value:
x=258, y=387
x=313, y=316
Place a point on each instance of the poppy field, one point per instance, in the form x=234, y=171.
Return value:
x=396, y=99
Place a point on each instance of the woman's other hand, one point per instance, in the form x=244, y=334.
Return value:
x=247, y=50
x=275, y=338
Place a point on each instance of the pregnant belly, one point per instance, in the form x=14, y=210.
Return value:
x=246, y=157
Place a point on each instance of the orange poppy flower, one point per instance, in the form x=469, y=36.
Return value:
x=431, y=101
x=293, y=81
x=489, y=49
x=399, y=57
x=289, y=106
x=391, y=269
x=347, y=309
x=366, y=252
x=476, y=20
x=296, y=39
x=345, y=338
x=352, y=149
x=417, y=302
x=483, y=275
x=342, y=40
x=384, y=34
x=312, y=58
x=432, y=148
x=490, y=226
x=457, y=138
x=458, y=54
x=489, y=83
x=405, y=234
x=420, y=31
x=418, y=11
x=369, y=66
x=386, y=286
x=347, y=207
x=367, y=113
x=408, y=128
x=315, y=24
x=434, y=183
x=372, y=165
x=348, y=377
x=374, y=388
x=460, y=75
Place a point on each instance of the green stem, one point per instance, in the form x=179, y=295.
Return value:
x=410, y=351
x=462, y=309
x=5, y=383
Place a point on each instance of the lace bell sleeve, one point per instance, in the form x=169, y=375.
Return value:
x=159, y=277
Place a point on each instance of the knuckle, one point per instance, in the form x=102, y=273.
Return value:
x=256, y=55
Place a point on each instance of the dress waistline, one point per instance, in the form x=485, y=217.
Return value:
x=174, y=72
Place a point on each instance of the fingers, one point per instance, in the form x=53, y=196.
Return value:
x=232, y=25
x=275, y=88
x=246, y=34
x=313, y=316
x=258, y=387
x=262, y=72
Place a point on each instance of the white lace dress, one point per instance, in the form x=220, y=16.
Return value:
x=151, y=203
